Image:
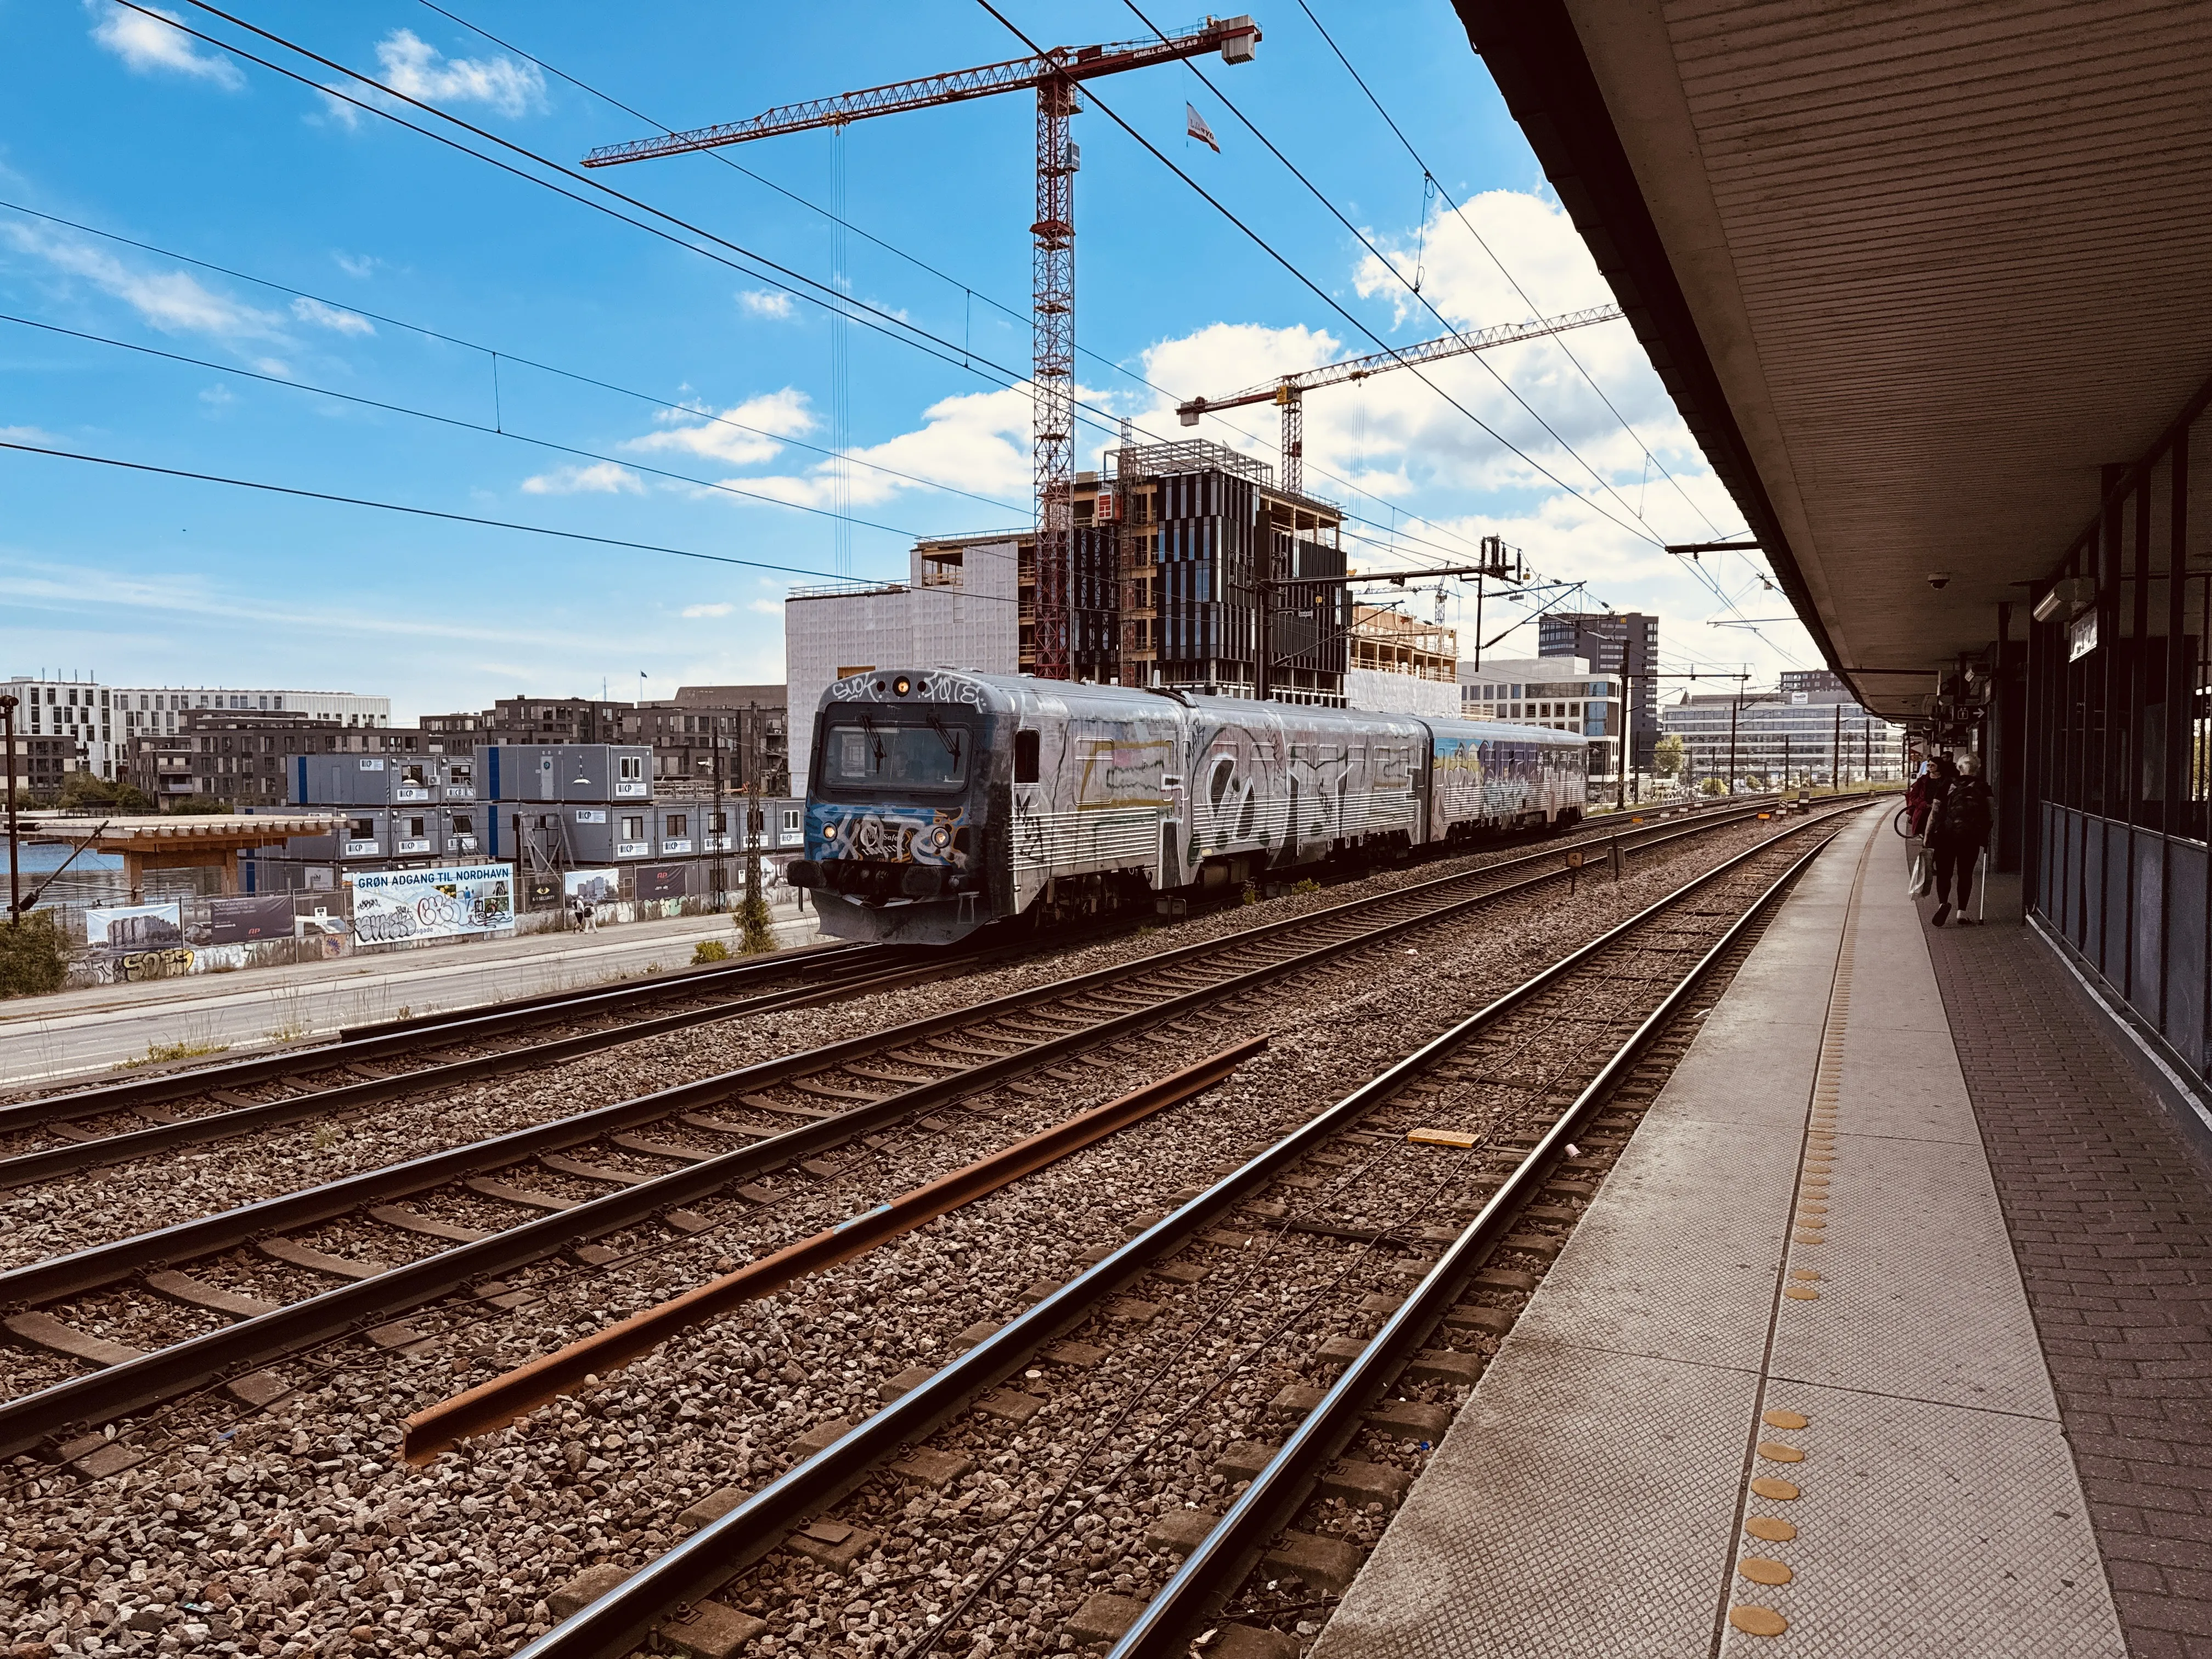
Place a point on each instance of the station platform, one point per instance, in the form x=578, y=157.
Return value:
x=1889, y=1335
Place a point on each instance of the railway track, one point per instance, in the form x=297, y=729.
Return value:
x=55, y=1135
x=1390, y=1240
x=382, y=1259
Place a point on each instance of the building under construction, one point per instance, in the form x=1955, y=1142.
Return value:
x=1172, y=544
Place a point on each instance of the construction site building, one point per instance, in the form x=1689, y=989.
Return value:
x=1401, y=665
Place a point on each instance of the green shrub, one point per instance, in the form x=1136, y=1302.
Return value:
x=1307, y=885
x=1251, y=893
x=757, y=925
x=33, y=956
x=710, y=949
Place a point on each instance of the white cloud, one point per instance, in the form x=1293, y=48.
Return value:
x=771, y=415
x=600, y=478
x=767, y=607
x=27, y=435
x=765, y=302
x=415, y=67
x=150, y=46
x=330, y=317
x=696, y=611
x=362, y=266
x=977, y=441
x=218, y=397
x=170, y=301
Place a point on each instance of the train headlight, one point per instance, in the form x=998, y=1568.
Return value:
x=940, y=838
x=902, y=685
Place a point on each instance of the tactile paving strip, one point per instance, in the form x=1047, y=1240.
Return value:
x=1927, y=1531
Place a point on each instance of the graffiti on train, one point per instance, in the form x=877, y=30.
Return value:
x=900, y=835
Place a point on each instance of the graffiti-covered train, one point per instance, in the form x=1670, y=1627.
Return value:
x=940, y=801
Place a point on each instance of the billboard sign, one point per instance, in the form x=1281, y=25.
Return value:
x=126, y=928
x=663, y=881
x=392, y=905
x=237, y=921
x=592, y=886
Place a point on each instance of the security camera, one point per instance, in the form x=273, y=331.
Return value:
x=1939, y=579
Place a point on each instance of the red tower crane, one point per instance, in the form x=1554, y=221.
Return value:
x=1288, y=390
x=1055, y=75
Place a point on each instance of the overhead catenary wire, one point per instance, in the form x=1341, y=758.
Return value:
x=501, y=352
x=1431, y=180
x=793, y=282
x=1651, y=457
x=967, y=290
x=417, y=512
x=498, y=430
x=1412, y=287
x=1306, y=281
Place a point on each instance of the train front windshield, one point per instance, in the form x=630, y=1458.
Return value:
x=875, y=756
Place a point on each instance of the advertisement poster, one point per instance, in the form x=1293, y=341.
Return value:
x=239, y=921
x=592, y=886
x=389, y=906
x=543, y=892
x=127, y=927
x=664, y=881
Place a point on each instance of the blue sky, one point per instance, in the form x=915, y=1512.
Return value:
x=346, y=236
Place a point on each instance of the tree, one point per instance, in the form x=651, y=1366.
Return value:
x=90, y=789
x=1667, y=755
x=34, y=956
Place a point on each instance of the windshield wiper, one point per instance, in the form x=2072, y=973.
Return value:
x=950, y=740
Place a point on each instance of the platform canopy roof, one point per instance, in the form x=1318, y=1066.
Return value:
x=1914, y=271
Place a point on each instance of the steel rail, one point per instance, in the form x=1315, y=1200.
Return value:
x=514, y=1394
x=855, y=979
x=366, y=1304
x=375, y=1042
x=1212, y=1571
x=67, y=1158
x=621, y=1621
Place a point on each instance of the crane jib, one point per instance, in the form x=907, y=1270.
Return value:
x=987, y=80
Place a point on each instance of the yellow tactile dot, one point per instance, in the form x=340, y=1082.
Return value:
x=1772, y=1527
x=1781, y=1417
x=1774, y=1487
x=1761, y=1570
x=1775, y=1452
x=1801, y=1293
x=1812, y=1238
x=1758, y=1621
x=1806, y=1273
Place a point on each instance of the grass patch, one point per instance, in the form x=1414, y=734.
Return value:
x=160, y=1054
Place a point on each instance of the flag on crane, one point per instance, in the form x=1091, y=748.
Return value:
x=1194, y=123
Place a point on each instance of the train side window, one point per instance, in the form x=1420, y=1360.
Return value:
x=1026, y=757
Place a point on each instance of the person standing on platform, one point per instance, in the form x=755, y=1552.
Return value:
x=1958, y=830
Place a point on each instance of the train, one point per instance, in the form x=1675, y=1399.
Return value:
x=941, y=802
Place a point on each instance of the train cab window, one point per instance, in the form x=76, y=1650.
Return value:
x=872, y=753
x=1026, y=757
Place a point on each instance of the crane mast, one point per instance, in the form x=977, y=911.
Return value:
x=1287, y=392
x=1055, y=75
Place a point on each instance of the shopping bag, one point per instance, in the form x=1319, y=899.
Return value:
x=1924, y=873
